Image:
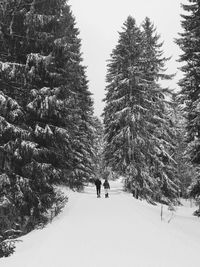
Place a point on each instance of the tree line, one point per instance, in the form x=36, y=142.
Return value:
x=49, y=135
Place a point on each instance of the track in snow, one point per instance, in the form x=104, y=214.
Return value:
x=115, y=232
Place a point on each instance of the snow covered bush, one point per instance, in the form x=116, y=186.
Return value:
x=7, y=247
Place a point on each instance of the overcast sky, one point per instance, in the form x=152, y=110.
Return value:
x=99, y=23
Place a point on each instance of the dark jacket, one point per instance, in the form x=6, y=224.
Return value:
x=106, y=185
x=98, y=183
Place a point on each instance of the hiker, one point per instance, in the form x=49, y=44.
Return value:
x=106, y=186
x=98, y=187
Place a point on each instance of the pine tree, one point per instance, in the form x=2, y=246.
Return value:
x=45, y=108
x=189, y=43
x=135, y=116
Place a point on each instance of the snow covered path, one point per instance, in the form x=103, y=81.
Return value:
x=115, y=232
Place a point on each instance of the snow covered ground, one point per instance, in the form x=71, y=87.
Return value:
x=116, y=232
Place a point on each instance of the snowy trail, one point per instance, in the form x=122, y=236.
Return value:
x=115, y=232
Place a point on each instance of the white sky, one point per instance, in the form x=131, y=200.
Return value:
x=99, y=23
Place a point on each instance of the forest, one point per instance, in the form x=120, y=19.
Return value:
x=50, y=136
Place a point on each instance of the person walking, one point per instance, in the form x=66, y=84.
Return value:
x=98, y=187
x=106, y=186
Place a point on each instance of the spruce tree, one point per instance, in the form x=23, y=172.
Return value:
x=98, y=147
x=161, y=129
x=45, y=108
x=122, y=112
x=189, y=42
x=185, y=172
x=135, y=116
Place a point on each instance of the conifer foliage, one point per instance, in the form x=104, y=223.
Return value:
x=189, y=43
x=185, y=171
x=45, y=111
x=137, y=132
x=98, y=147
